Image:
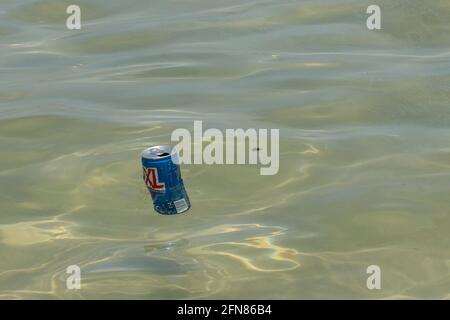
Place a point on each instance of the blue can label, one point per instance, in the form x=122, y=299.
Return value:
x=162, y=176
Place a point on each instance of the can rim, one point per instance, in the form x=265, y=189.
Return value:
x=157, y=152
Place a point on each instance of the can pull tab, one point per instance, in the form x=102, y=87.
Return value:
x=157, y=152
x=162, y=154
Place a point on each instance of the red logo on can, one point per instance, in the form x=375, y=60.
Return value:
x=151, y=179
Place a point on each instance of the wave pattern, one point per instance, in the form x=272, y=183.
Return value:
x=364, y=153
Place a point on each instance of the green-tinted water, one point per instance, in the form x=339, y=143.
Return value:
x=364, y=148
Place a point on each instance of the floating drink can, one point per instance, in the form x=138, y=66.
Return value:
x=162, y=176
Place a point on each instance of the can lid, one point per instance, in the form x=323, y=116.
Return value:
x=157, y=152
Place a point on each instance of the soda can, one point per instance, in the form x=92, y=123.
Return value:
x=162, y=176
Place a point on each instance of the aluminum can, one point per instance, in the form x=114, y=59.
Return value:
x=162, y=176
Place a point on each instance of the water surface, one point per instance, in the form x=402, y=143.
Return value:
x=364, y=150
